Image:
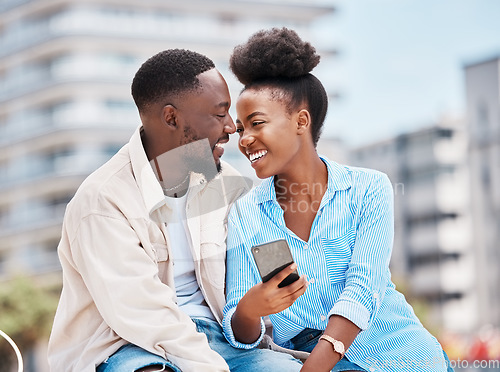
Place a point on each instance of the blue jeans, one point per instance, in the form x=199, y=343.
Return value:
x=307, y=340
x=130, y=358
x=245, y=360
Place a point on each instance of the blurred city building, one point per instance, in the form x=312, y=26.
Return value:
x=334, y=148
x=65, y=104
x=432, y=253
x=483, y=124
x=446, y=180
x=65, y=108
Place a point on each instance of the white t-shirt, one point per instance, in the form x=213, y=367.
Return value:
x=189, y=296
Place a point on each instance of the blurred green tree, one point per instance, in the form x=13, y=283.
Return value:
x=26, y=314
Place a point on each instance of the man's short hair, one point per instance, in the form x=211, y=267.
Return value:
x=166, y=74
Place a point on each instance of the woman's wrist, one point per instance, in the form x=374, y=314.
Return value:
x=246, y=328
x=322, y=358
x=246, y=312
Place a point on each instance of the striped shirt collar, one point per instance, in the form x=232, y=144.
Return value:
x=339, y=178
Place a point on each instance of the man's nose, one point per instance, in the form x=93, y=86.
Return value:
x=229, y=126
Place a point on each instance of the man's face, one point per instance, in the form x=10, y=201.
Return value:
x=204, y=114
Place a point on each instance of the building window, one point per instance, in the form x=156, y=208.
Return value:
x=434, y=258
x=485, y=175
x=120, y=105
x=445, y=133
x=482, y=116
x=431, y=219
x=4, y=216
x=3, y=259
x=482, y=122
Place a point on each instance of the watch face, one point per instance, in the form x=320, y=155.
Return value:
x=339, y=347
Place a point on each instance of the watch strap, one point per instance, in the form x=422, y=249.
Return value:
x=338, y=346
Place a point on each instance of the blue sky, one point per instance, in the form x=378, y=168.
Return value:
x=400, y=62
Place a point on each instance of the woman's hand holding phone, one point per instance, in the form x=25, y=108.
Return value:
x=264, y=299
x=267, y=298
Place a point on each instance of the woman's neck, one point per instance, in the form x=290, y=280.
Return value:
x=308, y=176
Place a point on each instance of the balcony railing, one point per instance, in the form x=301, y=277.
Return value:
x=42, y=169
x=9, y=4
x=167, y=26
x=67, y=118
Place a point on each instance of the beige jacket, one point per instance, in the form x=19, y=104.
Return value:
x=118, y=284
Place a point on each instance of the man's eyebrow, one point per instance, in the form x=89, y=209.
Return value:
x=223, y=104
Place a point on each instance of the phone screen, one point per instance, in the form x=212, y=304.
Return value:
x=273, y=257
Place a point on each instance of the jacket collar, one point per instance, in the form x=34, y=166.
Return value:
x=147, y=182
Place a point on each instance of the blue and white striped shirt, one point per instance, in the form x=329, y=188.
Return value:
x=346, y=260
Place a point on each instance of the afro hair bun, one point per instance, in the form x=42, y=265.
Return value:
x=274, y=53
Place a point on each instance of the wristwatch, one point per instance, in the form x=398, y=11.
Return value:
x=338, y=346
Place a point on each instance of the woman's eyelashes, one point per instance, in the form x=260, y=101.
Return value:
x=240, y=129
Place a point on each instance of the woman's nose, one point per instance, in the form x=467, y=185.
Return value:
x=246, y=139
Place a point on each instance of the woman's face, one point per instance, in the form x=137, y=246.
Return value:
x=269, y=134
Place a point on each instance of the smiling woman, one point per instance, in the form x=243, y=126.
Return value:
x=338, y=221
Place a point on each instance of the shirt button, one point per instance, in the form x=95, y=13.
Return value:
x=306, y=246
x=323, y=318
x=375, y=295
x=319, y=213
x=312, y=280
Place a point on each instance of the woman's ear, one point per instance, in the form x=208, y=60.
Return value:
x=303, y=121
x=169, y=116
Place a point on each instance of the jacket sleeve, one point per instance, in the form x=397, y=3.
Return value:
x=367, y=275
x=124, y=284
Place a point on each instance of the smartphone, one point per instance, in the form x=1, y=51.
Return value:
x=273, y=257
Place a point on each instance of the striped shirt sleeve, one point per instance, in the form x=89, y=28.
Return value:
x=368, y=271
x=239, y=279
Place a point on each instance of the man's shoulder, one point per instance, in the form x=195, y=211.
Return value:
x=103, y=183
x=234, y=180
x=249, y=202
x=228, y=169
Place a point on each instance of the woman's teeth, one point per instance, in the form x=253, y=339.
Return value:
x=257, y=155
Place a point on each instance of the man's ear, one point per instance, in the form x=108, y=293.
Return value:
x=169, y=116
x=303, y=121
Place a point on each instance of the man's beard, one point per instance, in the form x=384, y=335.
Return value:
x=198, y=155
x=199, y=158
